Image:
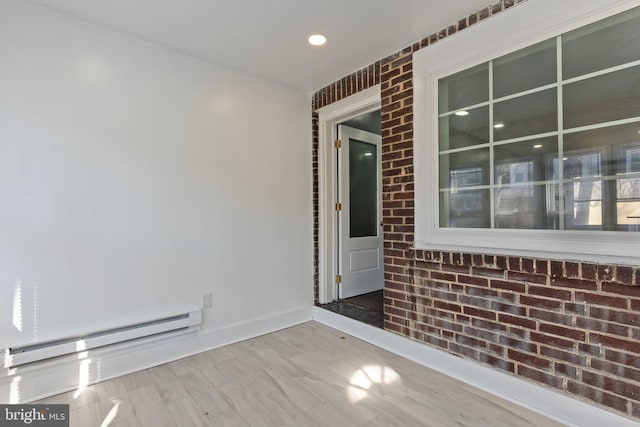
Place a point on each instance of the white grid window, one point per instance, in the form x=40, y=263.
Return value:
x=526, y=134
x=546, y=137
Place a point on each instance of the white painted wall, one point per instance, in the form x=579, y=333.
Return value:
x=134, y=179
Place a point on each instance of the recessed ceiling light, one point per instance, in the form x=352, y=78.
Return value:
x=537, y=146
x=368, y=154
x=317, y=39
x=565, y=158
x=461, y=113
x=498, y=125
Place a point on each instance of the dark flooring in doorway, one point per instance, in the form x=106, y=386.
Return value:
x=367, y=308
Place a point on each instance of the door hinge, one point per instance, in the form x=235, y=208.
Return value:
x=338, y=279
x=338, y=143
x=338, y=206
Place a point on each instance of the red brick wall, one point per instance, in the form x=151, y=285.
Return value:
x=570, y=325
x=573, y=326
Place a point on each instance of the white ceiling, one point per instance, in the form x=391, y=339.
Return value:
x=268, y=38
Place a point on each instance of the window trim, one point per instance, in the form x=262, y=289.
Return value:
x=522, y=26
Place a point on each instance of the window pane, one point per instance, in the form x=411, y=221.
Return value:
x=603, y=191
x=468, y=87
x=465, y=209
x=464, y=131
x=464, y=169
x=525, y=69
x=606, y=151
x=583, y=200
x=363, y=189
x=582, y=165
x=628, y=188
x=629, y=161
x=525, y=161
x=587, y=192
x=628, y=202
x=602, y=99
x=603, y=137
x=602, y=45
x=526, y=115
x=527, y=206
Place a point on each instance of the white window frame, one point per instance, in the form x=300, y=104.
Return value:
x=522, y=26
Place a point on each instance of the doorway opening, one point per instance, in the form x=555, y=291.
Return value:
x=352, y=236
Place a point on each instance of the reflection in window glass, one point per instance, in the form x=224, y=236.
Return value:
x=469, y=177
x=526, y=206
x=468, y=87
x=525, y=161
x=464, y=168
x=628, y=189
x=631, y=160
x=582, y=166
x=526, y=115
x=608, y=43
x=459, y=131
x=628, y=202
x=602, y=99
x=583, y=196
x=525, y=69
x=465, y=209
x=584, y=199
x=514, y=173
x=602, y=139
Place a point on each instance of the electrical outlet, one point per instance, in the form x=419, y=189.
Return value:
x=207, y=300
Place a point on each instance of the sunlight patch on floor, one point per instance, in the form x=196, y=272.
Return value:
x=112, y=413
x=365, y=378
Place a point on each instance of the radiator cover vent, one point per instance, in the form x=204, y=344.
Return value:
x=170, y=326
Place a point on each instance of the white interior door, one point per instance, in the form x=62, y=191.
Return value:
x=360, y=219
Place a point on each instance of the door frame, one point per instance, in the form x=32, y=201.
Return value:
x=328, y=118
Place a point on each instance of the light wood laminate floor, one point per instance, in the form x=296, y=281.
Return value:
x=306, y=375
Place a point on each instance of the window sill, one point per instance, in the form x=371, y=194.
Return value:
x=600, y=247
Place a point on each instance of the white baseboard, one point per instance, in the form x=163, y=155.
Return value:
x=546, y=401
x=48, y=378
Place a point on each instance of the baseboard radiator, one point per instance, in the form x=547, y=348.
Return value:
x=160, y=328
